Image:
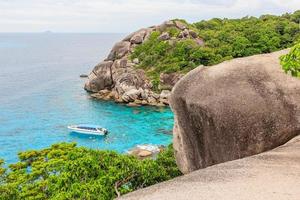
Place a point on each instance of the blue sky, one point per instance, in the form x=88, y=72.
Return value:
x=124, y=15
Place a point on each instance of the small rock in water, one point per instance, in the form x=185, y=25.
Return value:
x=145, y=151
x=132, y=104
x=83, y=75
x=164, y=131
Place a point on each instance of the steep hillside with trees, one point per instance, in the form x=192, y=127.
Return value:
x=151, y=60
x=224, y=39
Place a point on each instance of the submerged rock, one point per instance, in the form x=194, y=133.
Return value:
x=235, y=109
x=133, y=104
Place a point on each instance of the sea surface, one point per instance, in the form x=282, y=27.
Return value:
x=41, y=94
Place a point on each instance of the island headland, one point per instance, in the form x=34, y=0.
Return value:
x=118, y=77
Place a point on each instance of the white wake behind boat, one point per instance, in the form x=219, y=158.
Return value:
x=88, y=129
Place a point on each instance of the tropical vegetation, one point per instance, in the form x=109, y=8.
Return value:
x=224, y=39
x=291, y=62
x=65, y=171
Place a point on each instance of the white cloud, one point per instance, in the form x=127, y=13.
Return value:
x=124, y=15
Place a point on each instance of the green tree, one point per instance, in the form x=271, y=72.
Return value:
x=224, y=39
x=65, y=171
x=291, y=61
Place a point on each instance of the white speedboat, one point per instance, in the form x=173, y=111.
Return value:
x=88, y=129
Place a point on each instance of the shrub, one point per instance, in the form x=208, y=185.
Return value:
x=291, y=62
x=65, y=171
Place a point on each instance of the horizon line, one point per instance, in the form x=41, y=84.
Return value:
x=58, y=32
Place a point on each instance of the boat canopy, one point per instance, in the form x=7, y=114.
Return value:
x=88, y=128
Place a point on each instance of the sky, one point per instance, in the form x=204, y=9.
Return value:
x=123, y=16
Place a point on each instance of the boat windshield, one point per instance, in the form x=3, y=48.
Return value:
x=87, y=128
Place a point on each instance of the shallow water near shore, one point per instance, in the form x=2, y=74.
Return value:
x=41, y=94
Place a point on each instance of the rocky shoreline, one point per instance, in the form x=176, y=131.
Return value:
x=135, y=97
x=117, y=78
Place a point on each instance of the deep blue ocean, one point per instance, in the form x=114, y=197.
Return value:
x=41, y=94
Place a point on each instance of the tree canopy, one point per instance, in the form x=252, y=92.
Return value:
x=224, y=39
x=291, y=62
x=65, y=171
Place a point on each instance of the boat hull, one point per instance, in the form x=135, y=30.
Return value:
x=86, y=132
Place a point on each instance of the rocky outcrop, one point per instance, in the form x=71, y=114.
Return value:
x=101, y=77
x=232, y=110
x=273, y=175
x=118, y=78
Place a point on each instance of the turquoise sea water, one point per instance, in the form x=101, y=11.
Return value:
x=41, y=94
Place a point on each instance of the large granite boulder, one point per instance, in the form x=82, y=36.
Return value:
x=232, y=110
x=119, y=50
x=100, y=78
x=138, y=37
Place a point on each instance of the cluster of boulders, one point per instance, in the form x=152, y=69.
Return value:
x=146, y=151
x=118, y=78
x=135, y=97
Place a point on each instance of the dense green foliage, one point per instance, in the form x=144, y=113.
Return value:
x=291, y=62
x=248, y=36
x=65, y=171
x=224, y=39
x=158, y=56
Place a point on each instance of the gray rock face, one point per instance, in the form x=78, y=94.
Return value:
x=180, y=25
x=119, y=50
x=126, y=79
x=167, y=81
x=193, y=34
x=138, y=37
x=164, y=36
x=185, y=33
x=121, y=63
x=165, y=94
x=131, y=95
x=100, y=78
x=232, y=110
